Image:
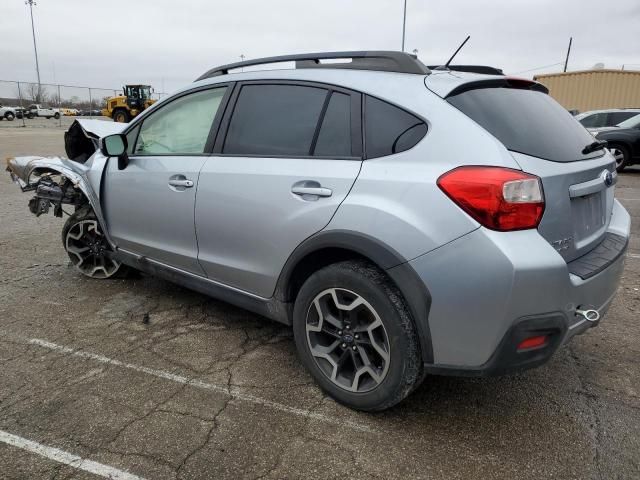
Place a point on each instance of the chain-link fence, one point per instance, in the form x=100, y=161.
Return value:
x=63, y=100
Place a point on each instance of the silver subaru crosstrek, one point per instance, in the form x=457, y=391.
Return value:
x=404, y=220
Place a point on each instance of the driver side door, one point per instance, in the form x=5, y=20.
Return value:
x=149, y=206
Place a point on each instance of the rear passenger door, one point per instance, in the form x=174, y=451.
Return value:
x=285, y=158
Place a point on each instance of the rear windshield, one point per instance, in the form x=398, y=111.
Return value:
x=527, y=121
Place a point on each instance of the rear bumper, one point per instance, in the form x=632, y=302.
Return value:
x=488, y=287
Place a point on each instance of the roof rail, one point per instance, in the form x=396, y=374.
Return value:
x=484, y=69
x=385, y=61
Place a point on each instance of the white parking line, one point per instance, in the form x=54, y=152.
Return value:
x=67, y=458
x=234, y=392
x=633, y=255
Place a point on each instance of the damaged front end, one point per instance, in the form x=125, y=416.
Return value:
x=58, y=181
x=45, y=177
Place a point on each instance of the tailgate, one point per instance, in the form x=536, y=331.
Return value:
x=578, y=201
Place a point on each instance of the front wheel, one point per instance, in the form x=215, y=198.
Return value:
x=87, y=246
x=9, y=116
x=56, y=115
x=355, y=335
x=121, y=116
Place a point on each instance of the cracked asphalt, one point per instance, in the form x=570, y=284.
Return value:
x=161, y=382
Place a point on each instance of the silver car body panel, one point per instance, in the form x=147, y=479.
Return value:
x=249, y=221
x=232, y=234
x=147, y=216
x=482, y=282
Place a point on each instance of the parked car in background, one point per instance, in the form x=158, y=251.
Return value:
x=623, y=141
x=329, y=198
x=7, y=113
x=606, y=118
x=37, y=110
x=20, y=112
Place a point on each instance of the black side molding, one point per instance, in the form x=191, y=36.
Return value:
x=413, y=289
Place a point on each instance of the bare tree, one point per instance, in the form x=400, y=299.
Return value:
x=36, y=93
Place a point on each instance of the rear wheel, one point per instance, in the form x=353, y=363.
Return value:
x=56, y=115
x=355, y=335
x=621, y=154
x=9, y=116
x=87, y=246
x=121, y=116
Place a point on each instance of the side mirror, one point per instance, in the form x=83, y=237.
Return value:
x=115, y=146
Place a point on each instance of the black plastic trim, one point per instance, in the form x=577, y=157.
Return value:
x=506, y=358
x=267, y=307
x=413, y=289
x=386, y=61
x=599, y=258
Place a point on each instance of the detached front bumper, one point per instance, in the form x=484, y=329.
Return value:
x=490, y=288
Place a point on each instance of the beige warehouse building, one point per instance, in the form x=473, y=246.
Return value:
x=594, y=89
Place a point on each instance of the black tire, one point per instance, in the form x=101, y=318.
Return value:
x=403, y=369
x=56, y=115
x=621, y=154
x=121, y=115
x=29, y=116
x=90, y=264
x=10, y=116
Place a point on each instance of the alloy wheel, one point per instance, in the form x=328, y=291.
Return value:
x=347, y=340
x=87, y=248
x=618, y=155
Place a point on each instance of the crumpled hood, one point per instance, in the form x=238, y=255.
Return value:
x=100, y=128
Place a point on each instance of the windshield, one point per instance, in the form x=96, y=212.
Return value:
x=632, y=122
x=527, y=121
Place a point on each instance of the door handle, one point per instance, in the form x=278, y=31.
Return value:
x=184, y=183
x=317, y=191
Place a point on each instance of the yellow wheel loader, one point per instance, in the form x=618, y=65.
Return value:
x=134, y=100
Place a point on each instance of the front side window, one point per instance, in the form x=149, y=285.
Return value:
x=274, y=120
x=389, y=129
x=181, y=127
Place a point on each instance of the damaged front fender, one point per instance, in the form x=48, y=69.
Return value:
x=40, y=175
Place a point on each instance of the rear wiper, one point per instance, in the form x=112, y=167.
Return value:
x=592, y=147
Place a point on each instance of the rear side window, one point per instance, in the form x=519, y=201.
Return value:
x=527, y=121
x=389, y=129
x=334, y=138
x=274, y=120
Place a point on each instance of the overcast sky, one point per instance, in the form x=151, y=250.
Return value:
x=108, y=43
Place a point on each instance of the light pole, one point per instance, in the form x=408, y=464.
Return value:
x=31, y=3
x=404, y=21
x=242, y=57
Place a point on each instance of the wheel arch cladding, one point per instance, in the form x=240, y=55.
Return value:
x=327, y=247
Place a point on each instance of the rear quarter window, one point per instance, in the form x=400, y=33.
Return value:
x=527, y=121
x=389, y=129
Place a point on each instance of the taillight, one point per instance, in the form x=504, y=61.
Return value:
x=498, y=198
